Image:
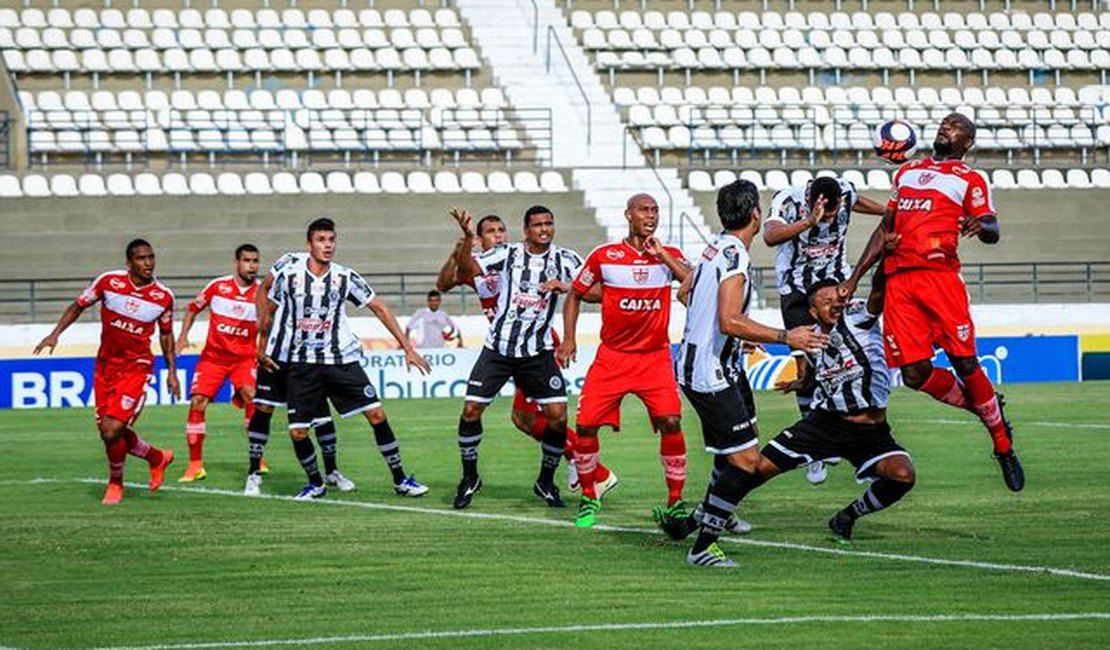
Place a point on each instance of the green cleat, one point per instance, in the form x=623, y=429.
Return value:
x=587, y=512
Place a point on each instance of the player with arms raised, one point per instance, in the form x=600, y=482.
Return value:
x=133, y=304
x=229, y=351
x=934, y=201
x=635, y=276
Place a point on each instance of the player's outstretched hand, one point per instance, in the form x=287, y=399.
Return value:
x=175, y=386
x=464, y=219
x=567, y=353
x=49, y=341
x=181, y=345
x=846, y=289
x=265, y=361
x=970, y=226
x=805, y=339
x=414, y=358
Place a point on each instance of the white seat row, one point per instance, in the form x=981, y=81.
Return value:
x=883, y=20
x=124, y=61
x=895, y=39
x=263, y=100
x=882, y=96
x=218, y=18
x=857, y=137
x=880, y=179
x=53, y=38
x=855, y=58
x=257, y=183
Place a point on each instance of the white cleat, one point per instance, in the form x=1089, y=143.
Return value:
x=253, y=487
x=572, y=477
x=340, y=482
x=608, y=485
x=816, y=472
x=711, y=557
x=410, y=487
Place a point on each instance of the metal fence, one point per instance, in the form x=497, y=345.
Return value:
x=43, y=300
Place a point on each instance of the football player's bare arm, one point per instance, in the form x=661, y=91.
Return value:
x=865, y=205
x=71, y=314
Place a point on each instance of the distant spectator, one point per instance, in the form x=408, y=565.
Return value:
x=431, y=327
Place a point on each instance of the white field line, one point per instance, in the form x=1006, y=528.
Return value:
x=618, y=627
x=470, y=514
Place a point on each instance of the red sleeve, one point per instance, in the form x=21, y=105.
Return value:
x=977, y=200
x=165, y=321
x=677, y=254
x=92, y=293
x=199, y=303
x=589, y=274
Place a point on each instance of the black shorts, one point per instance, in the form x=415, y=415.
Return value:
x=538, y=377
x=821, y=434
x=728, y=422
x=271, y=386
x=795, y=310
x=312, y=385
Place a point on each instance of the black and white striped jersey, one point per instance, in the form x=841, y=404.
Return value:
x=708, y=360
x=851, y=373
x=521, y=326
x=817, y=253
x=311, y=323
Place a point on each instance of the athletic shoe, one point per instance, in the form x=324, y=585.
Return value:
x=341, y=482
x=712, y=556
x=572, y=477
x=113, y=495
x=587, y=512
x=816, y=472
x=194, y=472
x=253, y=487
x=841, y=527
x=1001, y=399
x=310, y=492
x=263, y=467
x=734, y=525
x=468, y=487
x=549, y=493
x=676, y=528
x=410, y=487
x=158, y=472
x=1012, y=472
x=607, y=486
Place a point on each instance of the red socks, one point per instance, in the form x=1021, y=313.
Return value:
x=672, y=454
x=942, y=385
x=984, y=403
x=140, y=448
x=117, y=456
x=585, y=459
x=976, y=395
x=195, y=429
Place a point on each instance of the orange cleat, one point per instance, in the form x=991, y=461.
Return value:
x=194, y=472
x=263, y=467
x=113, y=495
x=158, y=472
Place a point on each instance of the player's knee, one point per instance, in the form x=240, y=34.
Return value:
x=964, y=366
x=556, y=419
x=198, y=403
x=264, y=408
x=669, y=424
x=246, y=393
x=915, y=375
x=298, y=434
x=899, y=469
x=376, y=416
x=766, y=468
x=523, y=420
x=747, y=459
x=110, y=429
x=472, y=411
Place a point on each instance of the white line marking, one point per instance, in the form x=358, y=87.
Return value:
x=617, y=627
x=1017, y=423
x=469, y=514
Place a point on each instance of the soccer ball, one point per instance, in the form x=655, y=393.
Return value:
x=895, y=141
x=449, y=333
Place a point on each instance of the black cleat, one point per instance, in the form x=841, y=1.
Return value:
x=1012, y=472
x=678, y=527
x=1002, y=413
x=841, y=527
x=468, y=487
x=549, y=493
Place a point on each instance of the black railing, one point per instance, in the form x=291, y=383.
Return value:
x=552, y=36
x=42, y=300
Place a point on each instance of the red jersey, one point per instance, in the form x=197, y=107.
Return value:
x=127, y=316
x=928, y=199
x=233, y=324
x=635, y=296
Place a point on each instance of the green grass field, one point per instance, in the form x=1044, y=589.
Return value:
x=203, y=567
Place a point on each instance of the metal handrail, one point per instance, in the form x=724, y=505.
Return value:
x=574, y=75
x=655, y=172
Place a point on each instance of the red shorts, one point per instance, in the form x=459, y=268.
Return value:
x=210, y=375
x=614, y=374
x=120, y=391
x=926, y=308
